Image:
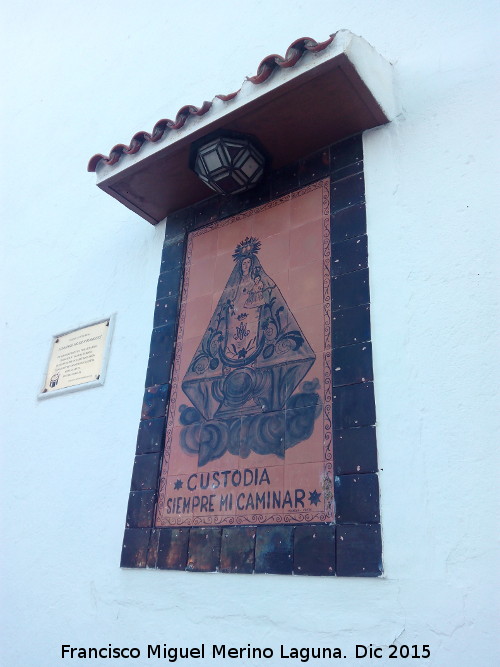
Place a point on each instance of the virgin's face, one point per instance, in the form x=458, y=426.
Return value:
x=245, y=266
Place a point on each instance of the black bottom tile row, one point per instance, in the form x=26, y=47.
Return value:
x=314, y=549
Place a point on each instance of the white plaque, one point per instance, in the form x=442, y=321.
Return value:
x=78, y=358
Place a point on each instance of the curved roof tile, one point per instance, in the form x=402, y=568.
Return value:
x=264, y=71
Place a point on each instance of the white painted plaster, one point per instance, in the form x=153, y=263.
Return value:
x=81, y=77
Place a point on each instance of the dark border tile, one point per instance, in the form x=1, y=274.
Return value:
x=238, y=549
x=349, y=170
x=150, y=435
x=140, y=510
x=314, y=167
x=172, y=256
x=161, y=353
x=153, y=548
x=357, y=498
x=314, y=550
x=351, y=325
x=173, y=548
x=348, y=223
x=347, y=192
x=204, y=549
x=355, y=450
x=359, y=551
x=179, y=222
x=169, y=286
x=135, y=547
x=166, y=308
x=350, y=290
x=145, y=473
x=346, y=152
x=284, y=180
x=353, y=405
x=352, y=364
x=206, y=211
x=155, y=401
x=274, y=549
x=350, y=255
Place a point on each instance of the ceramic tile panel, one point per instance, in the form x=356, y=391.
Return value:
x=248, y=388
x=259, y=385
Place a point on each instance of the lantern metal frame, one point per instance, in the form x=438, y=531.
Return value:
x=229, y=162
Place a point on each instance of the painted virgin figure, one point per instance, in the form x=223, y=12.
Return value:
x=253, y=353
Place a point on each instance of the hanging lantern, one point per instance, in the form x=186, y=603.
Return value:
x=228, y=162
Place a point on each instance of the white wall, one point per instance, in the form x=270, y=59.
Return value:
x=79, y=77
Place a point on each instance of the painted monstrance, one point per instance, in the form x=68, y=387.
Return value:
x=253, y=353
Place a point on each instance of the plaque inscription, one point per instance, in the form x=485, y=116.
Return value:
x=77, y=358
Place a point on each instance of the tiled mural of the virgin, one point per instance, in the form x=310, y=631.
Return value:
x=249, y=427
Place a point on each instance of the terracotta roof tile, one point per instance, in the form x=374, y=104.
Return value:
x=264, y=71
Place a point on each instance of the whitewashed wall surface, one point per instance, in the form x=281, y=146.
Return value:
x=78, y=77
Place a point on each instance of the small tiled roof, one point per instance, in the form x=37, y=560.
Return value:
x=264, y=71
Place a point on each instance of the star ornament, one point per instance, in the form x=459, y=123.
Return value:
x=178, y=484
x=314, y=497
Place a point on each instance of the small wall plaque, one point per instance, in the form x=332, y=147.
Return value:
x=78, y=358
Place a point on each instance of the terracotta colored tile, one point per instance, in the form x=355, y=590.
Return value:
x=315, y=373
x=254, y=460
x=306, y=285
x=271, y=221
x=253, y=489
x=232, y=234
x=227, y=461
x=309, y=478
x=224, y=264
x=306, y=244
x=311, y=321
x=282, y=282
x=310, y=450
x=195, y=495
x=204, y=245
x=198, y=314
x=179, y=460
x=189, y=347
x=264, y=481
x=269, y=423
x=274, y=253
x=201, y=278
x=306, y=208
x=212, y=498
x=216, y=295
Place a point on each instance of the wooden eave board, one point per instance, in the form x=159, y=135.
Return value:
x=317, y=108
